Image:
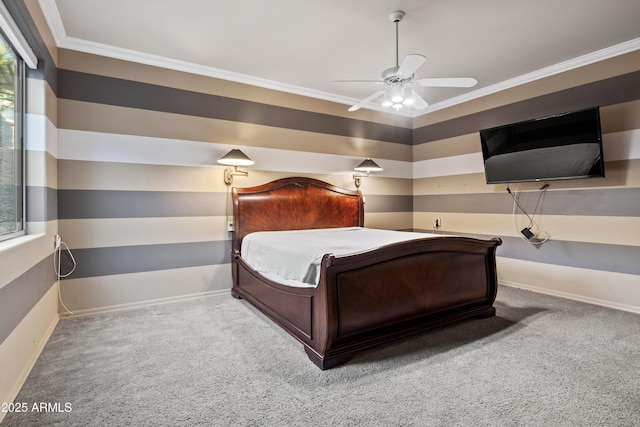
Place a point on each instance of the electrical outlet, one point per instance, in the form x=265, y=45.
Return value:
x=437, y=223
x=57, y=242
x=231, y=226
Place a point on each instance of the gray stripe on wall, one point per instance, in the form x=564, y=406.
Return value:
x=77, y=204
x=601, y=93
x=134, y=259
x=618, y=259
x=592, y=202
x=595, y=256
x=126, y=93
x=386, y=203
x=80, y=204
x=19, y=296
x=42, y=203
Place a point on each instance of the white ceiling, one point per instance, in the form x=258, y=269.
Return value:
x=302, y=46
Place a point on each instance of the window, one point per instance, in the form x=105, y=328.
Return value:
x=11, y=141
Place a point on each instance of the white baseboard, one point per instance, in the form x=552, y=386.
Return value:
x=575, y=297
x=141, y=304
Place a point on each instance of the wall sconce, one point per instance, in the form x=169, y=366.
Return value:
x=366, y=166
x=235, y=158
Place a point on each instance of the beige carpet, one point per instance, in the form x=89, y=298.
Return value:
x=542, y=361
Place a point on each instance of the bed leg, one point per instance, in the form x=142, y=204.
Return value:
x=327, y=362
x=235, y=294
x=488, y=312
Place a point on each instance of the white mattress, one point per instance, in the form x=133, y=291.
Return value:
x=293, y=257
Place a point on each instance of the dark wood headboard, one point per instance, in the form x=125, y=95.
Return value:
x=294, y=204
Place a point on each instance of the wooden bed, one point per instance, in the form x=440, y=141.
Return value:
x=364, y=299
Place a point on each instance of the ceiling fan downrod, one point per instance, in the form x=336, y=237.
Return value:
x=396, y=17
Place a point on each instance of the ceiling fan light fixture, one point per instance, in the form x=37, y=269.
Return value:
x=396, y=94
x=397, y=106
x=408, y=101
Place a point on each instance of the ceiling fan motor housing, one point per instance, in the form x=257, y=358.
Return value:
x=390, y=75
x=396, y=16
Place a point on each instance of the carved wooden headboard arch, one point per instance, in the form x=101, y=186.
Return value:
x=294, y=203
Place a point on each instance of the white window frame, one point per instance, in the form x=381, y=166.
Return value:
x=25, y=56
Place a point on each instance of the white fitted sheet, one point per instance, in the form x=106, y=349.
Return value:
x=293, y=257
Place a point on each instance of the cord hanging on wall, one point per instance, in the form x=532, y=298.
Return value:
x=531, y=232
x=57, y=265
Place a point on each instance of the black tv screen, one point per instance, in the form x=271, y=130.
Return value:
x=562, y=146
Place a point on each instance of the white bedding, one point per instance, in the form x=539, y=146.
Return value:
x=293, y=257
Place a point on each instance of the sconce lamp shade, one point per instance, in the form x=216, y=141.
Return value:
x=368, y=165
x=235, y=157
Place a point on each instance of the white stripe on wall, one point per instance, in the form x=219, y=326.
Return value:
x=581, y=284
x=40, y=134
x=621, y=145
x=447, y=166
x=106, y=147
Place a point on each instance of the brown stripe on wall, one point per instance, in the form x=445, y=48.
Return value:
x=112, y=91
x=611, y=91
x=92, y=117
x=619, y=173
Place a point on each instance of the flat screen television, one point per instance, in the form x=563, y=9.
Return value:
x=562, y=146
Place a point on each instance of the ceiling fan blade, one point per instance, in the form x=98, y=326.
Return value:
x=365, y=101
x=410, y=64
x=447, y=82
x=418, y=102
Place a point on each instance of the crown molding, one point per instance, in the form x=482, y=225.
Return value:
x=52, y=16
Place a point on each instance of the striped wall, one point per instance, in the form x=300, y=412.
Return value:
x=142, y=203
x=594, y=224
x=28, y=288
x=141, y=199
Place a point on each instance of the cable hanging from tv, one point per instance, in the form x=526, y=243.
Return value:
x=531, y=232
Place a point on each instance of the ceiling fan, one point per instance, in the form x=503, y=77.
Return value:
x=400, y=82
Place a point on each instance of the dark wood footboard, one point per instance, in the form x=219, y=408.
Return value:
x=406, y=288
